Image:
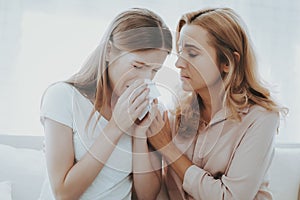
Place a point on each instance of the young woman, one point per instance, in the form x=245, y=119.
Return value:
x=92, y=143
x=219, y=145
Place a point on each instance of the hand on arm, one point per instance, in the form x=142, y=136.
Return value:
x=160, y=137
x=244, y=178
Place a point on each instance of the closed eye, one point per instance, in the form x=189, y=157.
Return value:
x=192, y=53
x=137, y=67
x=157, y=69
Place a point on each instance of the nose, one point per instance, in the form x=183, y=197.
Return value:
x=180, y=63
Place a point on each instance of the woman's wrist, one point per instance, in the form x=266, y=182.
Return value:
x=112, y=130
x=176, y=159
x=140, y=144
x=139, y=139
x=140, y=134
x=170, y=152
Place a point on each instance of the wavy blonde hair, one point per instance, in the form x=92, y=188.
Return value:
x=227, y=36
x=136, y=29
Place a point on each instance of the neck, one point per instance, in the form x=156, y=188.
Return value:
x=107, y=107
x=212, y=100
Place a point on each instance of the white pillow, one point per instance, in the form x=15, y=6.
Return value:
x=5, y=190
x=285, y=174
x=25, y=168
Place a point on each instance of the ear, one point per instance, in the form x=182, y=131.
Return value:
x=225, y=66
x=108, y=51
x=237, y=57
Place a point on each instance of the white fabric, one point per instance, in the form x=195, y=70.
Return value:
x=284, y=173
x=153, y=94
x=24, y=168
x=5, y=190
x=65, y=104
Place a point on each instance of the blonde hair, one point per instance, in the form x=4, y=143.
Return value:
x=136, y=29
x=227, y=36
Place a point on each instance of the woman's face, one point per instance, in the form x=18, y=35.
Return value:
x=127, y=67
x=197, y=59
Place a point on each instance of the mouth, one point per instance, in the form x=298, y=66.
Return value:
x=183, y=76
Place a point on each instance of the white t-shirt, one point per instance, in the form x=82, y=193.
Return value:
x=65, y=104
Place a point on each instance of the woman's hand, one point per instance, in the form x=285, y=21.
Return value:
x=130, y=105
x=141, y=127
x=159, y=133
x=161, y=140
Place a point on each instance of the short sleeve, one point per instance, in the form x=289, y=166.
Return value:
x=56, y=104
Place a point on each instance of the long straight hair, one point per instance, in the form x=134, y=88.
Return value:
x=136, y=29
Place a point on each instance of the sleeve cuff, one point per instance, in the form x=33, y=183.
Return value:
x=192, y=178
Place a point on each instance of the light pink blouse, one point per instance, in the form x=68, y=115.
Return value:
x=231, y=158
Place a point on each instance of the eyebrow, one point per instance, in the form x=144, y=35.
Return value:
x=192, y=46
x=142, y=63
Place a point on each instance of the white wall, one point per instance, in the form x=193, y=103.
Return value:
x=46, y=41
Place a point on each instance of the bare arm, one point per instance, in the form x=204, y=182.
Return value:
x=178, y=161
x=69, y=180
x=161, y=139
x=146, y=170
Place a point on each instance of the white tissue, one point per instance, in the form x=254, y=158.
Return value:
x=153, y=94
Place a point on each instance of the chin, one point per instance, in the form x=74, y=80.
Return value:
x=187, y=87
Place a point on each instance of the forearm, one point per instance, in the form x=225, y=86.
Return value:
x=83, y=173
x=146, y=170
x=176, y=159
x=243, y=178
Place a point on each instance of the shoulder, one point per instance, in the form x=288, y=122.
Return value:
x=57, y=103
x=259, y=118
x=59, y=94
x=59, y=91
x=259, y=113
x=59, y=88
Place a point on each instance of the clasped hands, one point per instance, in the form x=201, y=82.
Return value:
x=159, y=133
x=154, y=126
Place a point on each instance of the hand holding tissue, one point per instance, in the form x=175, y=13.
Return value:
x=153, y=94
